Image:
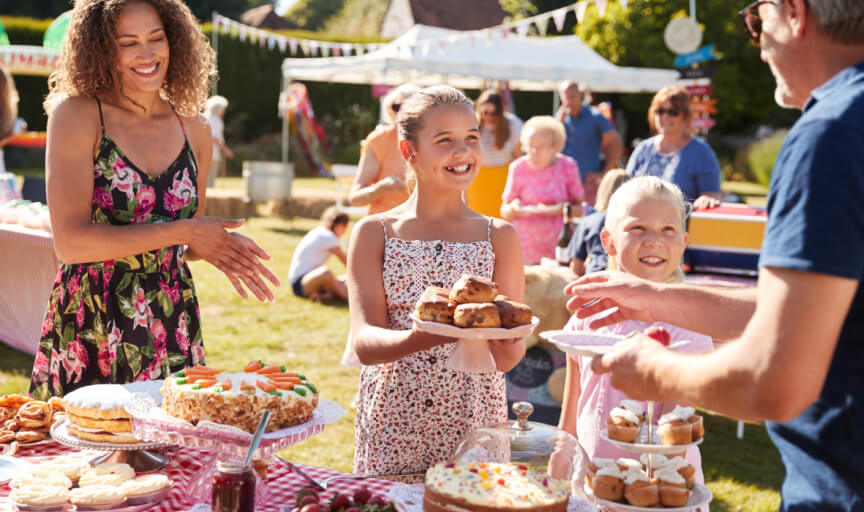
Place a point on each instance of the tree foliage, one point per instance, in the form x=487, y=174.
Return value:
x=743, y=84
x=313, y=14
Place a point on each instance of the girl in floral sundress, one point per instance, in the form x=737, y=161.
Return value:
x=412, y=410
x=123, y=307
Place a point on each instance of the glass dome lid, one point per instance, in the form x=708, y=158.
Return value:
x=536, y=446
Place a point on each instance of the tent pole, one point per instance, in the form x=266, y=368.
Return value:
x=556, y=102
x=286, y=125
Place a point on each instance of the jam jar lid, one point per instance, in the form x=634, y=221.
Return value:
x=535, y=445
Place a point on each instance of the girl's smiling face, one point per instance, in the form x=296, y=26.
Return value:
x=142, y=48
x=649, y=240
x=448, y=146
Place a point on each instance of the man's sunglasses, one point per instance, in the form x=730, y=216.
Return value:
x=668, y=111
x=752, y=21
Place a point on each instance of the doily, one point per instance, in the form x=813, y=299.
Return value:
x=409, y=498
x=151, y=423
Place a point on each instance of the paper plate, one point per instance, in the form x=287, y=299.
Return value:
x=480, y=333
x=699, y=496
x=656, y=447
x=582, y=343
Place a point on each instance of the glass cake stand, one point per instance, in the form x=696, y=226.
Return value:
x=140, y=456
x=224, y=442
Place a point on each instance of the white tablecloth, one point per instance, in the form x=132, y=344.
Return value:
x=28, y=268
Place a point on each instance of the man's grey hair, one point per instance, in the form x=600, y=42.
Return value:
x=841, y=20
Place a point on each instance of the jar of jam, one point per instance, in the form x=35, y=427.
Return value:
x=233, y=487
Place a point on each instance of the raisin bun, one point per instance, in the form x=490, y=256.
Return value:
x=473, y=289
x=477, y=315
x=513, y=314
x=435, y=306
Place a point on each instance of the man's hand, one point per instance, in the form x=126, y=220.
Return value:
x=601, y=291
x=632, y=367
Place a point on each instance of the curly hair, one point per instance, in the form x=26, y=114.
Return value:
x=87, y=62
x=8, y=103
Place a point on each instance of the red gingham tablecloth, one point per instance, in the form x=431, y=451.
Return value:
x=282, y=483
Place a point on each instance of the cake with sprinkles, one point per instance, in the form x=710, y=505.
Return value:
x=492, y=487
x=239, y=399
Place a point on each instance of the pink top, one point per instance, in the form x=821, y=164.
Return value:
x=559, y=183
x=598, y=397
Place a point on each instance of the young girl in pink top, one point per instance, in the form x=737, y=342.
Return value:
x=644, y=235
x=539, y=185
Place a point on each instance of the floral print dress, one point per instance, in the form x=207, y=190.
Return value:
x=412, y=413
x=128, y=319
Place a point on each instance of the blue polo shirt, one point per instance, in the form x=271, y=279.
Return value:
x=586, y=242
x=816, y=224
x=584, y=139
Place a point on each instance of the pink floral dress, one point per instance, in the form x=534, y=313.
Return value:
x=558, y=183
x=412, y=413
x=134, y=318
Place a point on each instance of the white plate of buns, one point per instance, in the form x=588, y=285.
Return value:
x=699, y=496
x=472, y=309
x=642, y=447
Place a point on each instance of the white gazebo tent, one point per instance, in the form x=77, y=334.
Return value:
x=427, y=56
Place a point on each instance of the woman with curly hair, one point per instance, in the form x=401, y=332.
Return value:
x=127, y=161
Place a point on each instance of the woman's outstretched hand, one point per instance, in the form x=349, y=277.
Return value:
x=237, y=256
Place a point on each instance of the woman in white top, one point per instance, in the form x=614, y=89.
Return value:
x=499, y=140
x=308, y=276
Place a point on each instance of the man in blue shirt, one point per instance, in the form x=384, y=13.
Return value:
x=797, y=355
x=589, y=135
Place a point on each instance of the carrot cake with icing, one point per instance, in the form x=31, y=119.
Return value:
x=239, y=399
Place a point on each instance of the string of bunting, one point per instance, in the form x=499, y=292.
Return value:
x=315, y=47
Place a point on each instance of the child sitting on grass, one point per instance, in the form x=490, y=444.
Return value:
x=308, y=276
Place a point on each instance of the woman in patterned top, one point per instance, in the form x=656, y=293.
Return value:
x=127, y=162
x=412, y=410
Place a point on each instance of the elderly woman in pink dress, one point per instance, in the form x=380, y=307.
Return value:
x=539, y=186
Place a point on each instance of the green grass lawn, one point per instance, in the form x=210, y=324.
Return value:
x=743, y=474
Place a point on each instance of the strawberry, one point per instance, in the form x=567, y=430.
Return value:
x=340, y=502
x=362, y=495
x=657, y=333
x=312, y=507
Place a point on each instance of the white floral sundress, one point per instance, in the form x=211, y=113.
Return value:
x=412, y=413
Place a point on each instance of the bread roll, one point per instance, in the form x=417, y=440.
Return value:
x=513, y=314
x=434, y=306
x=473, y=289
x=476, y=315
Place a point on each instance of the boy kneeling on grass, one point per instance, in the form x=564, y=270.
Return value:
x=308, y=276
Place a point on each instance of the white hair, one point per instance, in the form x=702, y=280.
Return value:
x=841, y=20
x=215, y=105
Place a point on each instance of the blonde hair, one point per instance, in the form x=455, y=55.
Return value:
x=393, y=100
x=635, y=190
x=548, y=124
x=611, y=181
x=8, y=103
x=680, y=100
x=88, y=59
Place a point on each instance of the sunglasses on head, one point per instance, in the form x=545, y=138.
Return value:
x=752, y=21
x=668, y=111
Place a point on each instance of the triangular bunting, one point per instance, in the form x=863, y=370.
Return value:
x=243, y=32
x=559, y=15
x=313, y=47
x=580, y=11
x=306, y=47
x=505, y=31
x=282, y=41
x=346, y=49
x=262, y=38
x=522, y=29
x=542, y=23
x=325, y=50
x=271, y=42
x=292, y=44
x=601, y=7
